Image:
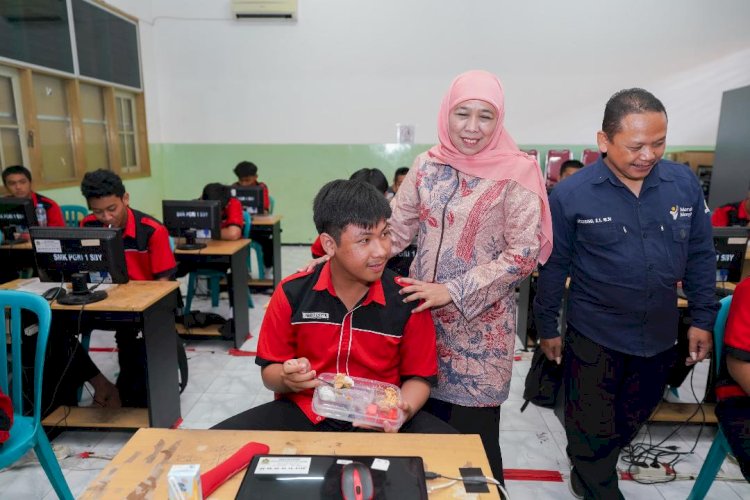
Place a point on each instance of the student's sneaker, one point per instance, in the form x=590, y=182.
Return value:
x=574, y=484
x=268, y=273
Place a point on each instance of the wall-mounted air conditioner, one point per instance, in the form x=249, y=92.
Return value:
x=265, y=9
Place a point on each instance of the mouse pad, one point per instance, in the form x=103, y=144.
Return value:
x=319, y=477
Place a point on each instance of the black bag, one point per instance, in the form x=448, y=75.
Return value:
x=542, y=382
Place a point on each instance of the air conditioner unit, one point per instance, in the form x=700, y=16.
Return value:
x=265, y=9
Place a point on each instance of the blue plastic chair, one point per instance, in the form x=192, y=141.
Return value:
x=27, y=432
x=214, y=277
x=73, y=214
x=720, y=447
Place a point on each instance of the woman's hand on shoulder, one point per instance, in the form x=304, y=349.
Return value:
x=431, y=294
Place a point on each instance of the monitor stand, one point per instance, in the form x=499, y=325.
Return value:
x=81, y=294
x=9, y=236
x=190, y=243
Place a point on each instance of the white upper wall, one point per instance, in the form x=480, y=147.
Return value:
x=347, y=71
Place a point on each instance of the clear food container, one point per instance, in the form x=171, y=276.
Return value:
x=354, y=399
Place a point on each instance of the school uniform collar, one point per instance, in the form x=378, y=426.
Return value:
x=374, y=294
x=130, y=225
x=604, y=173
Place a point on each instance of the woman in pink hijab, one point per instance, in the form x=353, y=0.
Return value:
x=479, y=209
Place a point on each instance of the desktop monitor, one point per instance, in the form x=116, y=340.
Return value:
x=16, y=216
x=192, y=219
x=81, y=255
x=251, y=197
x=731, y=245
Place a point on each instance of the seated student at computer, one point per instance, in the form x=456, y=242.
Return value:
x=733, y=385
x=148, y=256
x=398, y=178
x=247, y=175
x=17, y=180
x=732, y=214
x=232, y=219
x=345, y=316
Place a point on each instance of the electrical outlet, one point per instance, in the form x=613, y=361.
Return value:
x=654, y=473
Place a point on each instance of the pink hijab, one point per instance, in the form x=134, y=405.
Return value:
x=500, y=159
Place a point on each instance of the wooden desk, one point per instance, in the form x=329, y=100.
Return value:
x=140, y=468
x=683, y=303
x=150, y=306
x=270, y=224
x=220, y=255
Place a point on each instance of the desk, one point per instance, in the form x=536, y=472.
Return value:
x=272, y=224
x=150, y=305
x=220, y=255
x=139, y=470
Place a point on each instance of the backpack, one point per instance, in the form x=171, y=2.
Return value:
x=542, y=382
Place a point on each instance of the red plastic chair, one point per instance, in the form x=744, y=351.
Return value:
x=555, y=158
x=589, y=156
x=532, y=152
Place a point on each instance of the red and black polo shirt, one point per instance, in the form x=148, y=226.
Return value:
x=148, y=253
x=54, y=213
x=736, y=341
x=231, y=215
x=731, y=214
x=379, y=338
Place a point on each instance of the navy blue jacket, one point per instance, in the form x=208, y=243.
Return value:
x=624, y=255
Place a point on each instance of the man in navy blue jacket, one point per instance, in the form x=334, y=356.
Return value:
x=627, y=229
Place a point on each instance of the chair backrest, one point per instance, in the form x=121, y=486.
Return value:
x=271, y=203
x=719, y=325
x=73, y=214
x=247, y=225
x=589, y=156
x=12, y=303
x=532, y=152
x=555, y=159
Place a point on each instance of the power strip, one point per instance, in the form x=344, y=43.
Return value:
x=660, y=473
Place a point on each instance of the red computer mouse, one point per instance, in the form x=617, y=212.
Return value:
x=356, y=482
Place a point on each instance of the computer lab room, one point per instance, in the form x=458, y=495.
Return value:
x=336, y=249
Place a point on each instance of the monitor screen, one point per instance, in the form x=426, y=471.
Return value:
x=251, y=197
x=731, y=245
x=203, y=216
x=62, y=251
x=17, y=213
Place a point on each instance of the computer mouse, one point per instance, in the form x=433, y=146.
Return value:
x=356, y=482
x=54, y=293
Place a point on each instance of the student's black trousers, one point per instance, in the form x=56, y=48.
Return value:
x=608, y=396
x=284, y=415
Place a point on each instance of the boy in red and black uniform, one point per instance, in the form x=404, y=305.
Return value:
x=733, y=385
x=17, y=180
x=732, y=214
x=148, y=256
x=345, y=316
x=247, y=175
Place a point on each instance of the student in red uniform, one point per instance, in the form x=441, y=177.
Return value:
x=247, y=175
x=148, y=256
x=17, y=180
x=732, y=214
x=733, y=385
x=345, y=316
x=232, y=219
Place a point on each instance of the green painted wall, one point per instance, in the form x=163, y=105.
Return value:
x=293, y=172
